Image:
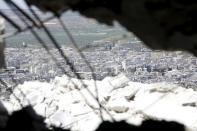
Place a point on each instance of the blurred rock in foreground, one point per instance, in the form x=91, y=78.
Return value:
x=124, y=100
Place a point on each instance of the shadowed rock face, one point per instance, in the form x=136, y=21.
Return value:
x=147, y=125
x=161, y=24
x=27, y=120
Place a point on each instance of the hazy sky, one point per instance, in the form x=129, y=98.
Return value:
x=19, y=2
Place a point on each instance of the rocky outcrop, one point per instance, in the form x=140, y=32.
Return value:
x=66, y=102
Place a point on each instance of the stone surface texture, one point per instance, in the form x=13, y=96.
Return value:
x=72, y=105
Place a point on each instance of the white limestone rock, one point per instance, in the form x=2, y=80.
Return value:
x=119, y=81
x=121, y=98
x=8, y=106
x=79, y=109
x=41, y=109
x=164, y=101
x=127, y=92
x=62, y=119
x=118, y=105
x=89, y=122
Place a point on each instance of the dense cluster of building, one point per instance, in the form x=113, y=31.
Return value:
x=139, y=64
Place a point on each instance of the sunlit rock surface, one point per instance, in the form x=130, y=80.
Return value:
x=68, y=102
